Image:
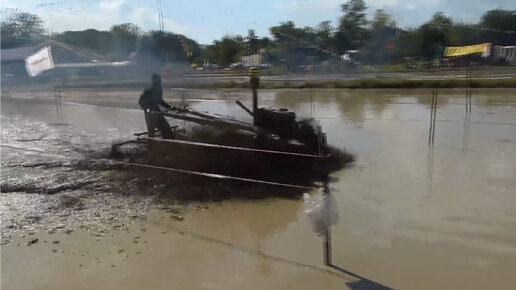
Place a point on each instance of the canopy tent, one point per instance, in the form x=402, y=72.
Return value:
x=506, y=54
x=484, y=49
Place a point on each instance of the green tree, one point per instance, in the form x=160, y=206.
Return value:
x=440, y=21
x=125, y=39
x=501, y=24
x=432, y=37
x=286, y=31
x=499, y=19
x=325, y=28
x=170, y=47
x=126, y=29
x=379, y=47
x=352, y=24
x=252, y=42
x=20, y=28
x=382, y=21
x=294, y=45
x=325, y=35
x=101, y=42
x=226, y=50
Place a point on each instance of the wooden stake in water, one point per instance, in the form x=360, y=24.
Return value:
x=468, y=100
x=433, y=113
x=469, y=79
x=327, y=247
x=327, y=233
x=59, y=107
x=312, y=105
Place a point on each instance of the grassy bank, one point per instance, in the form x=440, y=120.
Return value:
x=332, y=84
x=377, y=84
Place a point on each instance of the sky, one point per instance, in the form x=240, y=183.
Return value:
x=207, y=20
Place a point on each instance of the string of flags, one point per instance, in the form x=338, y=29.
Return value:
x=51, y=4
x=304, y=42
x=11, y=10
x=85, y=53
x=491, y=29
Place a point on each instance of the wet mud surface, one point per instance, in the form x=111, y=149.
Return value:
x=49, y=184
x=61, y=173
x=260, y=166
x=408, y=212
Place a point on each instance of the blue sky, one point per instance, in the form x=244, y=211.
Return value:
x=205, y=20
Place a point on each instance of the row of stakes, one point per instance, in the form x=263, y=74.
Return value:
x=433, y=105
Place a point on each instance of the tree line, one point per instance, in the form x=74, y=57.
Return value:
x=375, y=40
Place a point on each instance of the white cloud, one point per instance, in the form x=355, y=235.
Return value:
x=331, y=5
x=380, y=4
x=100, y=16
x=7, y=8
x=171, y=25
x=62, y=21
x=147, y=19
x=111, y=5
x=468, y=18
x=308, y=5
x=7, y=4
x=80, y=16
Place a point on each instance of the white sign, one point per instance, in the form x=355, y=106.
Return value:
x=39, y=62
x=251, y=60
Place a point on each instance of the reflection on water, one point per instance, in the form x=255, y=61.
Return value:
x=401, y=192
x=441, y=211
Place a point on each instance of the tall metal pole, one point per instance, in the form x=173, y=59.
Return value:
x=327, y=248
x=254, y=82
x=327, y=233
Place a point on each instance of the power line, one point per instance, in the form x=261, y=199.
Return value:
x=160, y=16
x=304, y=42
x=88, y=54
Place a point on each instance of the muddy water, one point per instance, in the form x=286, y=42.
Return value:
x=411, y=216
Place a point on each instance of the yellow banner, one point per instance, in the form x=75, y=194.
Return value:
x=484, y=49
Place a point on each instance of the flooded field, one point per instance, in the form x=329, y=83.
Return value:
x=411, y=215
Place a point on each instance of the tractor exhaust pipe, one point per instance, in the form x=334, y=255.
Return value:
x=254, y=82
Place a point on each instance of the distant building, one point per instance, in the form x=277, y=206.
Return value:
x=13, y=61
x=484, y=53
x=251, y=60
x=504, y=55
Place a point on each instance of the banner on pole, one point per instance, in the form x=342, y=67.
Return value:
x=39, y=61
